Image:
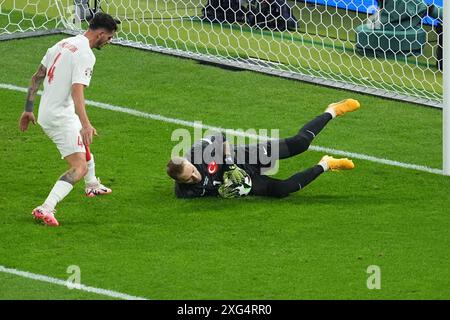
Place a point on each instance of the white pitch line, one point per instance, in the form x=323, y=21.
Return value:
x=240, y=133
x=82, y=287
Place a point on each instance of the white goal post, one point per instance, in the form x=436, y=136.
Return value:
x=389, y=48
x=446, y=94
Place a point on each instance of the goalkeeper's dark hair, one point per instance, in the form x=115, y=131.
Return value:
x=103, y=20
x=175, y=167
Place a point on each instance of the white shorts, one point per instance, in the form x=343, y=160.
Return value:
x=68, y=139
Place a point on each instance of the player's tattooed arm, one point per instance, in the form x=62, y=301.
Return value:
x=70, y=176
x=28, y=115
x=36, y=81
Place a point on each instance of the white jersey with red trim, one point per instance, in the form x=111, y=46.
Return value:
x=69, y=61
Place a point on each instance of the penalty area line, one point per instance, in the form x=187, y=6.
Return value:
x=193, y=124
x=69, y=285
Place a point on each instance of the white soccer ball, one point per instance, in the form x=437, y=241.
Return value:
x=245, y=188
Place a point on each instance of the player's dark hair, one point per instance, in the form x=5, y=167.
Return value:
x=104, y=21
x=175, y=168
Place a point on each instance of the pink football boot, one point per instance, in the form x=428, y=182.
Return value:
x=45, y=215
x=96, y=189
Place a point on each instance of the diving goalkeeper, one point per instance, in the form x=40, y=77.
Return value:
x=196, y=176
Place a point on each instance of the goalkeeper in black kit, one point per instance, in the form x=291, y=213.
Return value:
x=215, y=168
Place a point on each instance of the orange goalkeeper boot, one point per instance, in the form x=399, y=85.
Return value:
x=338, y=164
x=342, y=107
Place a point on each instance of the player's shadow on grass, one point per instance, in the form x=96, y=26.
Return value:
x=350, y=200
x=314, y=199
x=211, y=204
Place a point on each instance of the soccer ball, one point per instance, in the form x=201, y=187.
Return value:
x=244, y=188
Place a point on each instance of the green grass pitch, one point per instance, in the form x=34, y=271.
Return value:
x=316, y=244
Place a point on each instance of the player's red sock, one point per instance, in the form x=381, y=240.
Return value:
x=90, y=177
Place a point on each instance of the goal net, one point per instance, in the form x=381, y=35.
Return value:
x=390, y=48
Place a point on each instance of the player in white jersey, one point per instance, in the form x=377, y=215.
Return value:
x=66, y=70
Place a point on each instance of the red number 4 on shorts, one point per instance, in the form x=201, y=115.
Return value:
x=80, y=142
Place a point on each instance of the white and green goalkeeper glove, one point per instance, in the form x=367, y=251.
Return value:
x=235, y=174
x=227, y=190
x=232, y=178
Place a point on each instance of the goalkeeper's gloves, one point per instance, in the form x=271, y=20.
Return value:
x=227, y=191
x=235, y=174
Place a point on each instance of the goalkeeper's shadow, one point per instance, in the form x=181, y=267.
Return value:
x=327, y=199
